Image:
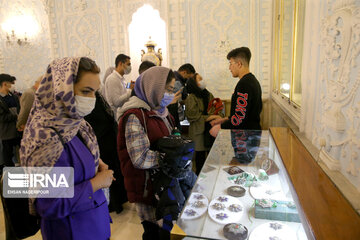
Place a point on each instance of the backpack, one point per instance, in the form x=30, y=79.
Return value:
x=215, y=106
x=174, y=178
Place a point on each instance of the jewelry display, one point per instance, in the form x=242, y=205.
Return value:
x=195, y=207
x=233, y=208
x=252, y=201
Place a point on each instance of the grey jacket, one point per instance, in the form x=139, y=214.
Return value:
x=8, y=120
x=26, y=102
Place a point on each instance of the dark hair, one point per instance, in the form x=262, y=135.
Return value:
x=121, y=58
x=187, y=67
x=145, y=65
x=170, y=77
x=242, y=53
x=86, y=65
x=6, y=78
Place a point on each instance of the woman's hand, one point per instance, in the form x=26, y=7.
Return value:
x=176, y=97
x=215, y=130
x=212, y=117
x=102, y=179
x=102, y=165
x=218, y=121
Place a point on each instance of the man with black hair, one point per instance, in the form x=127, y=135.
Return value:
x=116, y=92
x=9, y=110
x=246, y=103
x=184, y=72
x=145, y=65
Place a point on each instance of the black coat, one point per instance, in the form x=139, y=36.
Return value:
x=102, y=121
x=8, y=119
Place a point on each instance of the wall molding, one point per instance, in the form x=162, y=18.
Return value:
x=177, y=41
x=332, y=163
x=292, y=110
x=265, y=45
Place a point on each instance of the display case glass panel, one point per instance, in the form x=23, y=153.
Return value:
x=243, y=192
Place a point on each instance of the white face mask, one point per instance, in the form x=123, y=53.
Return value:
x=202, y=84
x=84, y=105
x=127, y=70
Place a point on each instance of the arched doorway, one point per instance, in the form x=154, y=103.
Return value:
x=146, y=22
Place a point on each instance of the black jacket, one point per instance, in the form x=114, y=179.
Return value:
x=103, y=123
x=8, y=120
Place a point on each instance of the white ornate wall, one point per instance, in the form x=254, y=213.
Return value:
x=198, y=31
x=331, y=76
x=95, y=28
x=85, y=28
x=26, y=63
x=217, y=26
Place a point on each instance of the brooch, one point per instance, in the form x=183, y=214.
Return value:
x=235, y=208
x=274, y=238
x=275, y=226
x=221, y=216
x=190, y=212
x=198, y=196
x=218, y=206
x=222, y=199
x=198, y=204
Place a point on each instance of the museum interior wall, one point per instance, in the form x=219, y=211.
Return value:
x=202, y=32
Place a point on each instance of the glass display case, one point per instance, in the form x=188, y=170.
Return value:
x=243, y=192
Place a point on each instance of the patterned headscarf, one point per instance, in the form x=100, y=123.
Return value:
x=150, y=86
x=54, y=107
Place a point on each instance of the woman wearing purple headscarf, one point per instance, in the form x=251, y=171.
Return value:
x=56, y=134
x=143, y=120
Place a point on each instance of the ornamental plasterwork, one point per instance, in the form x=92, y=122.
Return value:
x=340, y=78
x=79, y=5
x=26, y=62
x=218, y=27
